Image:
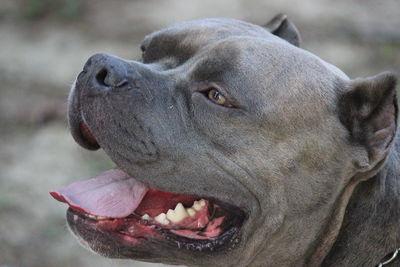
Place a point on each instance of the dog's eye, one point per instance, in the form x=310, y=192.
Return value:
x=215, y=96
x=143, y=48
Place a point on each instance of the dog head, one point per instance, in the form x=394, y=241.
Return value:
x=258, y=140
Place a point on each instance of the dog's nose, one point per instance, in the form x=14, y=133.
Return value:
x=107, y=72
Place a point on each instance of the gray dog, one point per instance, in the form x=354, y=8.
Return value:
x=235, y=147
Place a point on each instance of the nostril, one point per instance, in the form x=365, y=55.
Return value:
x=101, y=77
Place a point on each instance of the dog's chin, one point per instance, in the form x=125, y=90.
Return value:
x=161, y=222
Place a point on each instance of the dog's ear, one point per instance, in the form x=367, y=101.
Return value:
x=369, y=111
x=281, y=26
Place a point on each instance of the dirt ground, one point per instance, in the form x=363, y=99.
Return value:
x=44, y=44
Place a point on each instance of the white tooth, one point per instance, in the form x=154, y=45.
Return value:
x=170, y=214
x=162, y=218
x=178, y=214
x=191, y=212
x=146, y=217
x=197, y=205
x=179, y=208
x=96, y=217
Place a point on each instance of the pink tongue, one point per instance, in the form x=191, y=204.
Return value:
x=110, y=194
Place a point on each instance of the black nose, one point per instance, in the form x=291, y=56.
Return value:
x=106, y=72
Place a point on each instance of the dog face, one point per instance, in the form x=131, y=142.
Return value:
x=220, y=112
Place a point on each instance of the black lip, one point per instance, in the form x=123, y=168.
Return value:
x=227, y=240
x=75, y=118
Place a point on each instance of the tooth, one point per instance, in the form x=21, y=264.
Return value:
x=179, y=209
x=178, y=214
x=96, y=217
x=146, y=217
x=170, y=214
x=191, y=212
x=197, y=205
x=162, y=218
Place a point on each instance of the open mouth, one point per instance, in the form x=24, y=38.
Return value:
x=119, y=205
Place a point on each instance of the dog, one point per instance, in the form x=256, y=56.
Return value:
x=235, y=147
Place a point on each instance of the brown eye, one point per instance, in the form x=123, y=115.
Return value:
x=215, y=96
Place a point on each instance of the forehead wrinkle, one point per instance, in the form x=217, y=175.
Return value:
x=194, y=35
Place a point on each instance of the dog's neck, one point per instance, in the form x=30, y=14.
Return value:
x=371, y=225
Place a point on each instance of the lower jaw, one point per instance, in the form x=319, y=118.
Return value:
x=108, y=236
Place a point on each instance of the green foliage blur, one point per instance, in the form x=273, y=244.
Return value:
x=51, y=9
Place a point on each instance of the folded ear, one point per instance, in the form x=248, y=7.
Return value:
x=281, y=26
x=369, y=111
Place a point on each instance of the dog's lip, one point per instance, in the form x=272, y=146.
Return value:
x=83, y=136
x=80, y=130
x=87, y=136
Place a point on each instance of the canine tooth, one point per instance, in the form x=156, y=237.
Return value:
x=146, y=217
x=179, y=209
x=178, y=214
x=191, y=212
x=162, y=218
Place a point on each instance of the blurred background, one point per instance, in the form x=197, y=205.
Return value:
x=43, y=46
